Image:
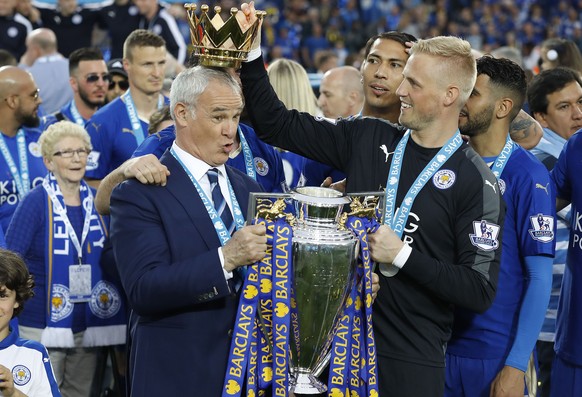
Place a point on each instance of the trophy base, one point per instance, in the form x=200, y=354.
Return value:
x=306, y=383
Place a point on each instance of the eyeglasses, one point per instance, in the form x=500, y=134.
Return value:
x=69, y=153
x=123, y=84
x=93, y=78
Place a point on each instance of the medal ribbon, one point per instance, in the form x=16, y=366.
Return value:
x=397, y=222
x=138, y=131
x=221, y=230
x=76, y=115
x=248, y=155
x=21, y=177
x=501, y=161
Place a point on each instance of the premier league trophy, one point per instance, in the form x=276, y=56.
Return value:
x=324, y=260
x=310, y=298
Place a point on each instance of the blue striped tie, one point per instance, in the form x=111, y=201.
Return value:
x=224, y=212
x=219, y=202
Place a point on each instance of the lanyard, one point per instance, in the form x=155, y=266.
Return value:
x=63, y=213
x=501, y=160
x=76, y=115
x=138, y=131
x=22, y=178
x=248, y=154
x=219, y=226
x=397, y=222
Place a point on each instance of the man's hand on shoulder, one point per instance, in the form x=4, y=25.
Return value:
x=246, y=246
x=146, y=169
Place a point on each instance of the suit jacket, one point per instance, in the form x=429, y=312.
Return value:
x=183, y=311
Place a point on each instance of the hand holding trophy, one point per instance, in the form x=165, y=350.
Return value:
x=308, y=302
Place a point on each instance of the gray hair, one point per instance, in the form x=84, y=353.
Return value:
x=191, y=83
x=57, y=132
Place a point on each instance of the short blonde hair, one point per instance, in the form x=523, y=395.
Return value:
x=58, y=131
x=291, y=84
x=456, y=63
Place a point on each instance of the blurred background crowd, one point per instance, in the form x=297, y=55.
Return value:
x=319, y=34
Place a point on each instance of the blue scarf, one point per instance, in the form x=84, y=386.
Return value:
x=105, y=311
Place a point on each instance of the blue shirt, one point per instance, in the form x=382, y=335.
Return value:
x=112, y=137
x=8, y=193
x=547, y=151
x=65, y=112
x=266, y=159
x=566, y=174
x=530, y=201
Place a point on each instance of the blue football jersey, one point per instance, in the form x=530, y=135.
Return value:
x=529, y=230
x=113, y=138
x=566, y=175
x=36, y=169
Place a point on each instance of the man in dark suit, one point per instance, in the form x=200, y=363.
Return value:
x=177, y=262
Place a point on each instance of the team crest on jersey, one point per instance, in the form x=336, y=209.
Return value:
x=21, y=375
x=105, y=300
x=543, y=228
x=61, y=306
x=502, y=186
x=93, y=160
x=485, y=236
x=261, y=166
x=444, y=179
x=34, y=149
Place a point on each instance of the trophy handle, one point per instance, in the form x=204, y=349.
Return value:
x=255, y=197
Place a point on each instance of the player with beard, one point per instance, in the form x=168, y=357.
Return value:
x=488, y=353
x=385, y=56
x=89, y=79
x=21, y=165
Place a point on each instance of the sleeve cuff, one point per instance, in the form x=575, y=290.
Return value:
x=254, y=54
x=227, y=274
x=402, y=256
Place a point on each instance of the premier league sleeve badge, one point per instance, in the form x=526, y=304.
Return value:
x=485, y=236
x=543, y=228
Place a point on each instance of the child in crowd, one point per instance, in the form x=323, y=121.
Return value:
x=25, y=368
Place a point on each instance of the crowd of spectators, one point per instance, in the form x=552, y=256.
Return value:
x=321, y=34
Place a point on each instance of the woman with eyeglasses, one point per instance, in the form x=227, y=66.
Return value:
x=76, y=307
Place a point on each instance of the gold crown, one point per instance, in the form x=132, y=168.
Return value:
x=219, y=43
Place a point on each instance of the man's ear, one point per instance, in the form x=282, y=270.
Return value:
x=541, y=118
x=451, y=95
x=180, y=114
x=503, y=107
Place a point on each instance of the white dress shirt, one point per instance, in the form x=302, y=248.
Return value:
x=199, y=168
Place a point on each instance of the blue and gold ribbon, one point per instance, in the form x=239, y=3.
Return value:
x=267, y=319
x=282, y=306
x=353, y=365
